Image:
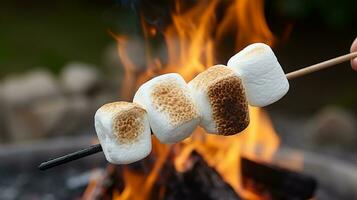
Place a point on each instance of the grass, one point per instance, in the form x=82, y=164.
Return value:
x=51, y=33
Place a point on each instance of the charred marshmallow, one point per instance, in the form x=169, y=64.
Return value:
x=173, y=114
x=220, y=96
x=124, y=132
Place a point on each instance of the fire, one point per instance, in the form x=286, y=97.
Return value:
x=134, y=180
x=259, y=141
x=192, y=43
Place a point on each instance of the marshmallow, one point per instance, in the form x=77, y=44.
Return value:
x=220, y=97
x=263, y=78
x=124, y=132
x=173, y=114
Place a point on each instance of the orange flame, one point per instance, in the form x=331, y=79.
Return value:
x=134, y=180
x=192, y=43
x=259, y=141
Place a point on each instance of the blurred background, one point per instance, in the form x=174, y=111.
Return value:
x=59, y=63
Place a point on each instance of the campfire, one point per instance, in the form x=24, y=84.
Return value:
x=178, y=99
x=199, y=35
x=180, y=42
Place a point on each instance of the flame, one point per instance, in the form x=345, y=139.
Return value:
x=259, y=142
x=193, y=39
x=134, y=180
x=192, y=44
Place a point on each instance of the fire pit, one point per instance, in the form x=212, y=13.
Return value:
x=91, y=177
x=184, y=37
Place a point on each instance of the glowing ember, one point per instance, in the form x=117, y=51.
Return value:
x=192, y=42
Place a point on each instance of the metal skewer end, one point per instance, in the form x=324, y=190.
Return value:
x=70, y=157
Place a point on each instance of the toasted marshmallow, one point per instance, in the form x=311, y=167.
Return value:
x=173, y=114
x=263, y=78
x=124, y=132
x=220, y=97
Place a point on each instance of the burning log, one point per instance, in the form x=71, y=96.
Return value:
x=277, y=182
x=199, y=182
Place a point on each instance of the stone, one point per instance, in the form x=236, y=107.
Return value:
x=42, y=118
x=23, y=89
x=82, y=109
x=21, y=96
x=3, y=127
x=334, y=126
x=79, y=78
x=54, y=116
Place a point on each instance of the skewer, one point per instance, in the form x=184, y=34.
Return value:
x=320, y=66
x=98, y=148
x=70, y=157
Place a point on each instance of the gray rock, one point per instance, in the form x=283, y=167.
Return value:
x=49, y=117
x=79, y=78
x=21, y=96
x=42, y=118
x=34, y=106
x=3, y=127
x=22, y=124
x=334, y=126
x=82, y=111
x=335, y=175
x=23, y=89
x=53, y=116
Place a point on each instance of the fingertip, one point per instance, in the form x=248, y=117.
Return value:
x=354, y=64
x=354, y=60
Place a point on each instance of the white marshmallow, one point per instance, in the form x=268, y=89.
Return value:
x=220, y=97
x=124, y=132
x=263, y=78
x=173, y=114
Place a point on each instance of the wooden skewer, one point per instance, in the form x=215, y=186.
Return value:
x=97, y=147
x=320, y=66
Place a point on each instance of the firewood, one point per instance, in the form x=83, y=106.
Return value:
x=279, y=183
x=199, y=182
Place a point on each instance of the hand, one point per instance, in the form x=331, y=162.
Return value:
x=354, y=60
